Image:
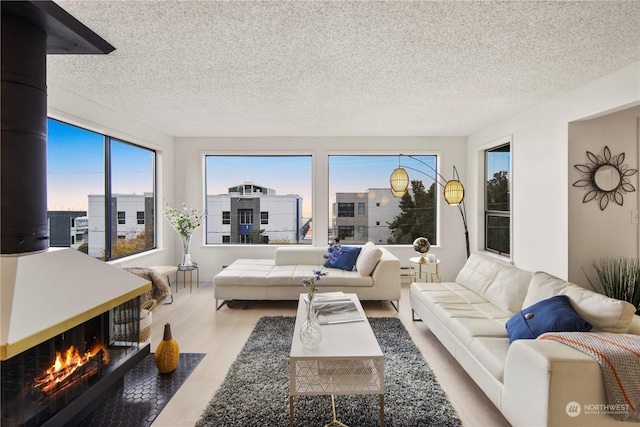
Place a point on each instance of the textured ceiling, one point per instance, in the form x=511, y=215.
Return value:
x=208, y=68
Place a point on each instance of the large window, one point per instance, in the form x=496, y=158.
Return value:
x=258, y=199
x=498, y=199
x=363, y=209
x=106, y=186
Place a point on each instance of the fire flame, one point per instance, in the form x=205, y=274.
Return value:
x=65, y=364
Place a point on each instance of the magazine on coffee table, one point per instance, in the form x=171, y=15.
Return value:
x=332, y=312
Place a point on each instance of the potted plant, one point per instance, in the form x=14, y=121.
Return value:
x=184, y=221
x=619, y=278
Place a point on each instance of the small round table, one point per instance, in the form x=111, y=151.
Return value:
x=420, y=261
x=190, y=269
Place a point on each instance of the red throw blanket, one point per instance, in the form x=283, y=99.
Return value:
x=619, y=358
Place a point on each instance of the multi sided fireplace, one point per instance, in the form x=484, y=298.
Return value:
x=64, y=378
x=52, y=301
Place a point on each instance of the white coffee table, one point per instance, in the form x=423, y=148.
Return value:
x=347, y=361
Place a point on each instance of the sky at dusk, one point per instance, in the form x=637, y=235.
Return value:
x=75, y=167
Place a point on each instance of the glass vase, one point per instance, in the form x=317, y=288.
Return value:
x=310, y=334
x=186, y=257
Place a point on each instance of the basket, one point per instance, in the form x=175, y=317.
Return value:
x=145, y=319
x=123, y=328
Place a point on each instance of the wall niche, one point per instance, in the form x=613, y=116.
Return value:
x=598, y=229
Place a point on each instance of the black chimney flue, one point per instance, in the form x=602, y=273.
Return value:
x=30, y=31
x=23, y=148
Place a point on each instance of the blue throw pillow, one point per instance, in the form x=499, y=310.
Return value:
x=551, y=315
x=346, y=259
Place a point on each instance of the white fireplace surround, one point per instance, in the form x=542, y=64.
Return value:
x=46, y=293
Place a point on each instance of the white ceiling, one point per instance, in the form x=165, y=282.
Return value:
x=325, y=68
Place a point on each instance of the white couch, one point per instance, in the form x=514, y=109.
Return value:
x=530, y=381
x=377, y=276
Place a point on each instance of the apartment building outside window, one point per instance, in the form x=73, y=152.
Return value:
x=110, y=180
x=498, y=199
x=360, y=201
x=242, y=210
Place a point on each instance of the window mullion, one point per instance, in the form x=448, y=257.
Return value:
x=108, y=209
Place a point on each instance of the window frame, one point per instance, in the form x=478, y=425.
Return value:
x=273, y=220
x=391, y=160
x=109, y=202
x=489, y=214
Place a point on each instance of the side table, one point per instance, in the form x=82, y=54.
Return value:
x=422, y=261
x=190, y=269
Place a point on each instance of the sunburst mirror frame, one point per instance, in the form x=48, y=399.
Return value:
x=605, y=162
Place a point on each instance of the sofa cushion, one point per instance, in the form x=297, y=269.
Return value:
x=368, y=259
x=502, y=284
x=554, y=314
x=465, y=329
x=491, y=352
x=604, y=313
x=263, y=272
x=345, y=259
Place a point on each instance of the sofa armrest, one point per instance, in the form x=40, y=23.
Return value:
x=541, y=378
x=386, y=274
x=635, y=325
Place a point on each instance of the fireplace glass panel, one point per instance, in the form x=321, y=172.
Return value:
x=40, y=382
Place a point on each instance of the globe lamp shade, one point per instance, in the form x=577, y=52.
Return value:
x=453, y=192
x=399, y=182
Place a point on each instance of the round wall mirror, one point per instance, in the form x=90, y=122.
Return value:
x=605, y=177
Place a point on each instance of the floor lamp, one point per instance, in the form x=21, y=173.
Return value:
x=453, y=189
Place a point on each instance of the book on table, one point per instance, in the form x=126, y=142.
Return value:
x=331, y=312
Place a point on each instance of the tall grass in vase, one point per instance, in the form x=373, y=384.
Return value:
x=619, y=278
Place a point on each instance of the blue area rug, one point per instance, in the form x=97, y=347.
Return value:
x=144, y=394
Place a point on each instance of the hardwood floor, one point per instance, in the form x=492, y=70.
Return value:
x=199, y=328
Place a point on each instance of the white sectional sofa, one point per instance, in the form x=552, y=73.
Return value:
x=376, y=276
x=532, y=382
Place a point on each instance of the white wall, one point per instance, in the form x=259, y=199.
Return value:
x=70, y=108
x=596, y=233
x=540, y=161
x=540, y=177
x=189, y=181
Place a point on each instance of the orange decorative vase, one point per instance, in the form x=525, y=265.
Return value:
x=167, y=353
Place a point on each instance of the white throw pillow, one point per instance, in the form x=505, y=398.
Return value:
x=368, y=259
x=604, y=313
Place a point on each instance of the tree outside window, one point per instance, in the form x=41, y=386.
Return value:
x=498, y=199
x=417, y=216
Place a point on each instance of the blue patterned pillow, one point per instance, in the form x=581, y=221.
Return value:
x=346, y=259
x=551, y=315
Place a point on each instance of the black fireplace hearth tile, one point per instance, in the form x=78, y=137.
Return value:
x=144, y=394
